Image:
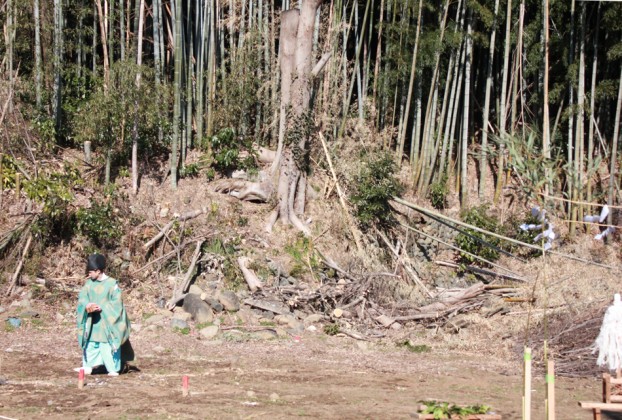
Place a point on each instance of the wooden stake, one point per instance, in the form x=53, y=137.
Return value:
x=550, y=390
x=527, y=386
x=18, y=184
x=185, y=384
x=87, y=152
x=81, y=379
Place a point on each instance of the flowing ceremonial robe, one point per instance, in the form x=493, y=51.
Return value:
x=102, y=334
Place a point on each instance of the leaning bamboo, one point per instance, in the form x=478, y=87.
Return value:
x=355, y=232
x=431, y=213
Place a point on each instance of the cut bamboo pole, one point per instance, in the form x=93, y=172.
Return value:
x=527, y=385
x=550, y=390
x=355, y=233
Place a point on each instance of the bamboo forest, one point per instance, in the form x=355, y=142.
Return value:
x=499, y=89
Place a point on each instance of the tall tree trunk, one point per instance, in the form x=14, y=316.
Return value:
x=177, y=93
x=614, y=152
x=580, y=132
x=503, y=115
x=38, y=61
x=296, y=55
x=464, y=184
x=58, y=63
x=139, y=62
x=483, y=160
x=546, y=134
x=103, y=36
x=592, y=117
x=411, y=84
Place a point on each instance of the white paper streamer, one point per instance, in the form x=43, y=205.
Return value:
x=548, y=235
x=601, y=219
x=609, y=341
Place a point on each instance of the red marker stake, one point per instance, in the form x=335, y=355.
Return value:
x=184, y=385
x=81, y=379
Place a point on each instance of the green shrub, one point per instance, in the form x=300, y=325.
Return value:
x=100, y=224
x=331, y=329
x=438, y=193
x=444, y=410
x=375, y=186
x=227, y=148
x=480, y=217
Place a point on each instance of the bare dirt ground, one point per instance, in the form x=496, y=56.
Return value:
x=318, y=376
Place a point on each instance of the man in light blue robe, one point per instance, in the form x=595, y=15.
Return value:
x=103, y=325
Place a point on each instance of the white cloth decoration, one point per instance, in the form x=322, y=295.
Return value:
x=548, y=235
x=605, y=233
x=609, y=341
x=601, y=219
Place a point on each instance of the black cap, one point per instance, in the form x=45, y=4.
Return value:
x=95, y=262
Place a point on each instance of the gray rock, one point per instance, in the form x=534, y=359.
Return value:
x=195, y=290
x=274, y=397
x=209, y=332
x=183, y=315
x=214, y=304
x=312, y=319
x=229, y=300
x=200, y=311
x=2, y=309
x=267, y=314
x=264, y=335
x=179, y=323
x=291, y=322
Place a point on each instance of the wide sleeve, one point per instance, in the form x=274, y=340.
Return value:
x=82, y=315
x=115, y=317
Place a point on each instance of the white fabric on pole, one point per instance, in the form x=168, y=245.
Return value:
x=609, y=341
x=605, y=233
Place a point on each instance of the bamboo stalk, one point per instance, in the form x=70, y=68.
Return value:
x=355, y=233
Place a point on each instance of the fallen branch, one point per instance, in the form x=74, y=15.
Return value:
x=188, y=277
x=169, y=225
x=249, y=275
x=19, y=266
x=480, y=271
x=406, y=266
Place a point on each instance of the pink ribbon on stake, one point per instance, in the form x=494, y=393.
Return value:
x=185, y=384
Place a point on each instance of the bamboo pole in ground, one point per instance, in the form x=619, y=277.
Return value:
x=527, y=385
x=550, y=390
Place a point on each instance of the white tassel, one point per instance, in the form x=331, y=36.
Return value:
x=605, y=233
x=609, y=341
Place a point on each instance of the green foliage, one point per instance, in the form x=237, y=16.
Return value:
x=375, y=185
x=227, y=151
x=480, y=217
x=301, y=249
x=107, y=117
x=182, y=331
x=190, y=170
x=532, y=170
x=331, y=329
x=444, y=410
x=100, y=224
x=438, y=193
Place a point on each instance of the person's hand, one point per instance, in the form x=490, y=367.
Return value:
x=93, y=307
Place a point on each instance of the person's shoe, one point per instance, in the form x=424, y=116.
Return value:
x=87, y=370
x=113, y=373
